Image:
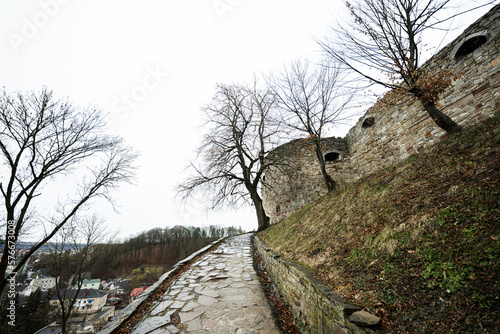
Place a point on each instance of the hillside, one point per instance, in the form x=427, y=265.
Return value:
x=416, y=244
x=147, y=255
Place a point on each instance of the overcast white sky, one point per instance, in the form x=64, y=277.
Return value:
x=152, y=65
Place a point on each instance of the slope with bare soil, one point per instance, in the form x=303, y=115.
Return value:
x=416, y=244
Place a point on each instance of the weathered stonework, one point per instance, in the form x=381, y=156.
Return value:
x=121, y=317
x=298, y=178
x=387, y=135
x=316, y=305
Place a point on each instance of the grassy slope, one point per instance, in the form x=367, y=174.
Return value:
x=416, y=244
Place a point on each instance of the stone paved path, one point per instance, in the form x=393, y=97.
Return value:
x=220, y=293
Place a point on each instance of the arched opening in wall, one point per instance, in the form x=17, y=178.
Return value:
x=369, y=121
x=332, y=156
x=469, y=45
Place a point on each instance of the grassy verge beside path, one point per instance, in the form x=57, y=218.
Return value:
x=417, y=244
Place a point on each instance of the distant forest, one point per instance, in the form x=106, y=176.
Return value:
x=157, y=247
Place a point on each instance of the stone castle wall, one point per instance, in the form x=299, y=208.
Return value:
x=386, y=134
x=316, y=305
x=298, y=178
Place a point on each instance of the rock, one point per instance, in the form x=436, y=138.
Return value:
x=350, y=308
x=206, y=300
x=188, y=316
x=152, y=323
x=363, y=318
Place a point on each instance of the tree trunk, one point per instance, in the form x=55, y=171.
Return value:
x=63, y=324
x=3, y=268
x=263, y=220
x=442, y=120
x=329, y=182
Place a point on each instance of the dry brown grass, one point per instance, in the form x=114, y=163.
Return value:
x=417, y=243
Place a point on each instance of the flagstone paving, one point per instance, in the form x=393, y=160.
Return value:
x=220, y=293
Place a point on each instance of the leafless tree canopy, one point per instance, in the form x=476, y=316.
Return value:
x=72, y=254
x=42, y=137
x=310, y=100
x=383, y=40
x=239, y=136
x=383, y=43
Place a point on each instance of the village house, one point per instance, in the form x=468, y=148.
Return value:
x=40, y=282
x=83, y=324
x=91, y=284
x=88, y=301
x=137, y=292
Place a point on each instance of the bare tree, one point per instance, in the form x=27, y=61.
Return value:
x=41, y=138
x=311, y=100
x=383, y=44
x=239, y=137
x=78, y=245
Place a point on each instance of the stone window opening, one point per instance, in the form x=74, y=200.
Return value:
x=368, y=122
x=469, y=45
x=333, y=156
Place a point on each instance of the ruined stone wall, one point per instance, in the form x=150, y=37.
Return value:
x=297, y=177
x=401, y=131
x=316, y=305
x=388, y=134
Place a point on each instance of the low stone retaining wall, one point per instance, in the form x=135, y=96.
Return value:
x=314, y=303
x=130, y=309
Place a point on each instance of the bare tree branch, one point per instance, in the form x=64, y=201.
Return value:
x=310, y=100
x=76, y=248
x=232, y=153
x=40, y=138
x=383, y=44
